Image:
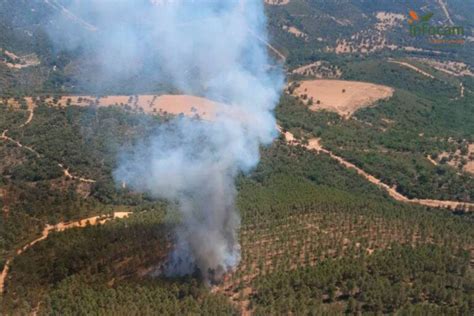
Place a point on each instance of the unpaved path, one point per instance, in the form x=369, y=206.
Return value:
x=431, y=160
x=412, y=67
x=6, y=138
x=31, y=109
x=314, y=144
x=273, y=49
x=56, y=5
x=151, y=104
x=445, y=10
x=67, y=174
x=62, y=226
x=24, y=61
x=37, y=154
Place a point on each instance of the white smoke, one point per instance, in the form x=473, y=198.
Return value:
x=210, y=48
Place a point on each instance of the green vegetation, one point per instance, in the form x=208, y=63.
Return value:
x=316, y=237
x=422, y=280
x=393, y=139
x=93, y=270
x=303, y=215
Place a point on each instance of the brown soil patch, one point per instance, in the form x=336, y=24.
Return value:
x=340, y=96
x=296, y=32
x=21, y=62
x=153, y=104
x=457, y=159
x=387, y=20
x=319, y=70
x=371, y=39
x=469, y=167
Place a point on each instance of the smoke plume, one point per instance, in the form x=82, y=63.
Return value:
x=214, y=49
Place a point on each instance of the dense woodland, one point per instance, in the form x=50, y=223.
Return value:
x=304, y=216
x=317, y=238
x=393, y=139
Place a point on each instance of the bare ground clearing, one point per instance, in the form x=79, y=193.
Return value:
x=159, y=104
x=340, y=96
x=320, y=70
x=207, y=107
x=20, y=62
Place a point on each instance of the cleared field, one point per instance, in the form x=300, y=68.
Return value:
x=340, y=96
x=159, y=104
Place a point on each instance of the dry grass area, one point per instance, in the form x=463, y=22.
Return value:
x=20, y=62
x=469, y=167
x=361, y=44
x=296, y=32
x=460, y=160
x=387, y=20
x=320, y=70
x=372, y=39
x=153, y=104
x=340, y=96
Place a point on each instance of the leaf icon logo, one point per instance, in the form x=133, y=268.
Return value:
x=413, y=15
x=427, y=17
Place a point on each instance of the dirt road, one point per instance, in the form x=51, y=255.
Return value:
x=62, y=226
x=410, y=66
x=314, y=144
x=66, y=172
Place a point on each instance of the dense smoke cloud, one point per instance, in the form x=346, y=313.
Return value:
x=210, y=48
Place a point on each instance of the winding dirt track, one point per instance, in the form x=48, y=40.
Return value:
x=54, y=4
x=410, y=66
x=190, y=108
x=62, y=226
x=272, y=48
x=66, y=172
x=30, y=116
x=314, y=144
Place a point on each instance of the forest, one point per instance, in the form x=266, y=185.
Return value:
x=315, y=235
x=392, y=139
